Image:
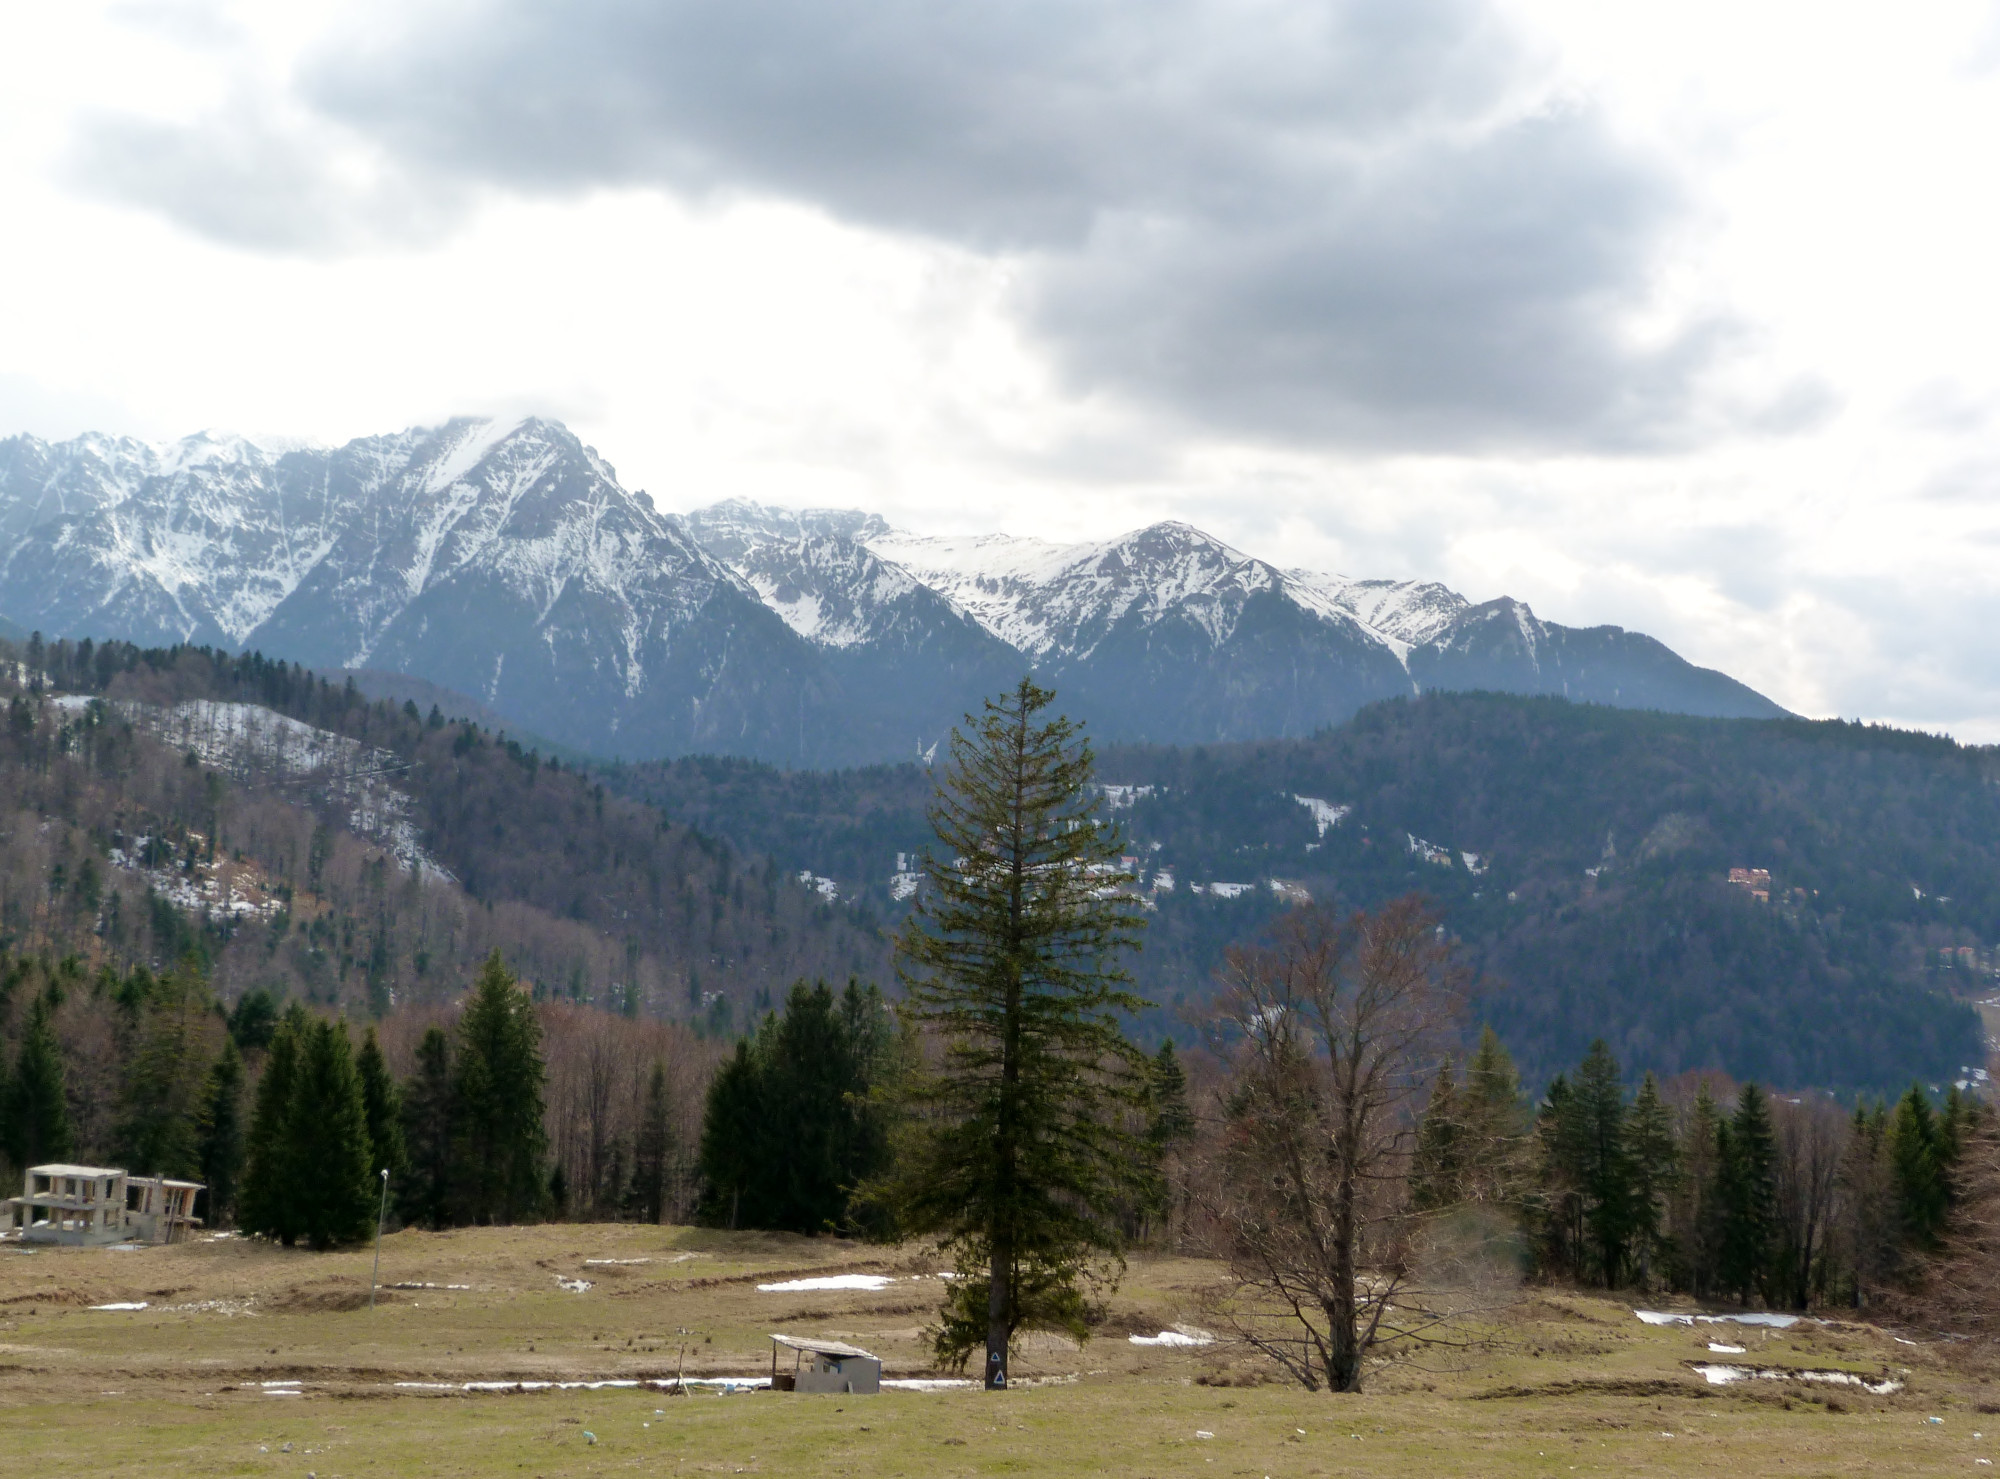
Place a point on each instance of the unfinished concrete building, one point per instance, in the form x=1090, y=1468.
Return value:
x=85, y=1206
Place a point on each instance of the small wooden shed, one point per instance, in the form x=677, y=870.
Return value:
x=825, y=1366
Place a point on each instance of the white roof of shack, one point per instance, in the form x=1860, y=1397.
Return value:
x=823, y=1347
x=58, y=1169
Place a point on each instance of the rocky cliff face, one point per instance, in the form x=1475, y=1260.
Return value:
x=504, y=560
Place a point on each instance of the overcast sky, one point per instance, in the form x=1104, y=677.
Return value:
x=1680, y=316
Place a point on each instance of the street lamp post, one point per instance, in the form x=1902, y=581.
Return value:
x=381, y=1213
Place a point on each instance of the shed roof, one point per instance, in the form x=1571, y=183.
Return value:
x=823, y=1347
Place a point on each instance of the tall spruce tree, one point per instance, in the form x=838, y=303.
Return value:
x=1918, y=1152
x=269, y=1174
x=384, y=1109
x=159, y=1132
x=653, y=1150
x=424, y=1196
x=1170, y=1129
x=1599, y=1127
x=37, y=1124
x=732, y=1134
x=1698, y=1205
x=1747, y=1187
x=1493, y=1149
x=332, y=1186
x=1020, y=1156
x=1437, y=1173
x=1654, y=1162
x=497, y=1135
x=220, y=1135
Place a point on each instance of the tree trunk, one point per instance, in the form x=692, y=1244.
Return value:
x=996, y=1317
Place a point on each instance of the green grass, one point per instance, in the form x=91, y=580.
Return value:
x=1565, y=1383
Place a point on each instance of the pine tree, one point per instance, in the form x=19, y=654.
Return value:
x=220, y=1129
x=1020, y=1157
x=1918, y=1153
x=497, y=1134
x=37, y=1124
x=1698, y=1206
x=268, y=1174
x=159, y=1133
x=1557, y=1205
x=384, y=1108
x=1605, y=1166
x=732, y=1129
x=1169, y=1129
x=653, y=1152
x=1169, y=1121
x=1747, y=1189
x=332, y=1187
x=1493, y=1145
x=424, y=1196
x=1654, y=1162
x=1437, y=1175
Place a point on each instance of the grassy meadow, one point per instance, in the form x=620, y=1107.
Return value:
x=243, y=1349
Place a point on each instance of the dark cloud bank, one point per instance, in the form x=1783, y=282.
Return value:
x=1355, y=223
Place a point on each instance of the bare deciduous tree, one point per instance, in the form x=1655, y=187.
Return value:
x=1338, y=1028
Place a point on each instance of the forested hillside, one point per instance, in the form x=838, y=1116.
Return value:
x=365, y=855
x=1580, y=853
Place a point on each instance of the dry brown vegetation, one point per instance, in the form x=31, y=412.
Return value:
x=1571, y=1383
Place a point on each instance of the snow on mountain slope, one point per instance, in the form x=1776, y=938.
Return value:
x=1056, y=601
x=504, y=560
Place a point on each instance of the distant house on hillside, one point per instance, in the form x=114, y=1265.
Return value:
x=1756, y=880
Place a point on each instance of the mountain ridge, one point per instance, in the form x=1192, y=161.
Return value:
x=503, y=559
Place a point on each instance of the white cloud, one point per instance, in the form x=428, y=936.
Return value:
x=1805, y=496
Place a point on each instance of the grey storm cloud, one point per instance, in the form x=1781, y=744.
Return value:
x=1325, y=221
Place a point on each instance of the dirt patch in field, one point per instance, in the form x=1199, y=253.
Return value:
x=323, y=1301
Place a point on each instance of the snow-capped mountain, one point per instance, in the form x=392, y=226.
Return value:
x=504, y=560
x=499, y=558
x=1169, y=634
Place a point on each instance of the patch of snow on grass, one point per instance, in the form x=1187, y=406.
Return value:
x=869, y=1282
x=1755, y=1317
x=1722, y=1376
x=1180, y=1335
x=1725, y=1350
x=138, y=1306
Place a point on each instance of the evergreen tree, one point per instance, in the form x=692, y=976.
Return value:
x=1437, y=1174
x=653, y=1152
x=332, y=1187
x=732, y=1131
x=1599, y=1127
x=1020, y=1157
x=268, y=1173
x=254, y=1021
x=1653, y=1159
x=221, y=1134
x=1169, y=1121
x=497, y=1133
x=424, y=1195
x=37, y=1123
x=1917, y=1151
x=1493, y=1143
x=159, y=1133
x=1747, y=1187
x=384, y=1108
x=1557, y=1204
x=1698, y=1206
